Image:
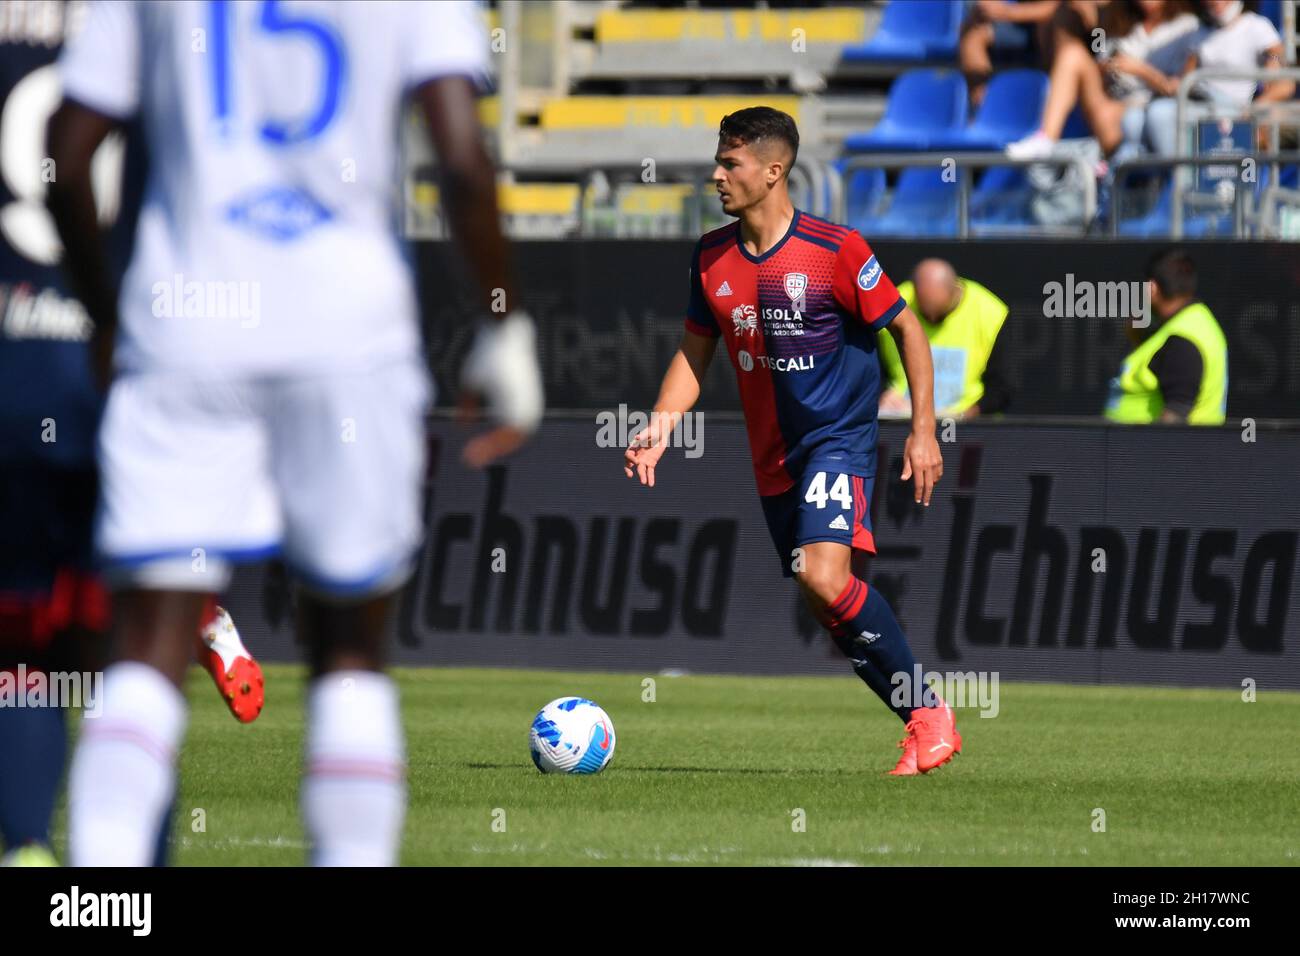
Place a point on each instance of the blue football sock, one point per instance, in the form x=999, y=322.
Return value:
x=33, y=745
x=865, y=630
x=871, y=675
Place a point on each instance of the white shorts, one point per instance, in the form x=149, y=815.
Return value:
x=326, y=470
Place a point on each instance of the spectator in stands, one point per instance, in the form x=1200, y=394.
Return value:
x=1144, y=47
x=962, y=320
x=992, y=23
x=1238, y=38
x=1178, y=370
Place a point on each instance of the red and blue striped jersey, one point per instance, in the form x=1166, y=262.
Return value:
x=800, y=325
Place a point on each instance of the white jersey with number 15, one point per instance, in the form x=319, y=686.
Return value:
x=268, y=242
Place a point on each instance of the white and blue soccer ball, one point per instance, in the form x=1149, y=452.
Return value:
x=571, y=735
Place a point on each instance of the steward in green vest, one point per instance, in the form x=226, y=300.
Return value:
x=1179, y=372
x=961, y=319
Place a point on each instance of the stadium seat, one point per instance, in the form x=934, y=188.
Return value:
x=1000, y=201
x=922, y=103
x=1289, y=178
x=923, y=204
x=1196, y=224
x=640, y=112
x=636, y=27
x=694, y=45
x=864, y=191
x=538, y=210
x=1272, y=9
x=1012, y=109
x=918, y=31
x=1076, y=125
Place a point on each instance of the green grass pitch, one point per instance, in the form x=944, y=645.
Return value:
x=714, y=769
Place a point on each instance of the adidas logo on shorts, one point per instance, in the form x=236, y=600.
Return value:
x=839, y=524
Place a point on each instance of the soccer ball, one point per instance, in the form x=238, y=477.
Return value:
x=571, y=735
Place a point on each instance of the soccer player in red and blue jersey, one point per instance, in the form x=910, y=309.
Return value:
x=797, y=302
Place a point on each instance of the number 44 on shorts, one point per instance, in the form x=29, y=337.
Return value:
x=816, y=493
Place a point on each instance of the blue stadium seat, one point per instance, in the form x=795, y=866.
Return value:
x=922, y=205
x=917, y=31
x=1012, y=109
x=1076, y=125
x=1000, y=200
x=1158, y=222
x=864, y=191
x=1288, y=179
x=1273, y=10
x=922, y=103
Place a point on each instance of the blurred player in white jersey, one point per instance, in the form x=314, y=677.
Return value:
x=269, y=392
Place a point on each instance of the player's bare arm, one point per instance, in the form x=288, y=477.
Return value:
x=73, y=135
x=922, y=462
x=677, y=395
x=502, y=367
x=468, y=176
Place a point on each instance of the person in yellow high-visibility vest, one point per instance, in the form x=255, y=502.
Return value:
x=962, y=321
x=1178, y=372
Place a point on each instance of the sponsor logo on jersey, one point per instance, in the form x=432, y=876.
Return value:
x=43, y=314
x=798, y=363
x=782, y=321
x=724, y=289
x=745, y=361
x=745, y=318
x=869, y=274
x=278, y=213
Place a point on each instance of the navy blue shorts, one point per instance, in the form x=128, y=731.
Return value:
x=46, y=518
x=820, y=506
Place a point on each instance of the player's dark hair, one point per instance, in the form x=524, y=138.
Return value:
x=1173, y=272
x=755, y=124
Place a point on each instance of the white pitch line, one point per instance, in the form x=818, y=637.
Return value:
x=275, y=843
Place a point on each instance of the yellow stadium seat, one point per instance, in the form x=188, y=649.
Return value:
x=518, y=199
x=665, y=200
x=839, y=25
x=538, y=199
x=619, y=112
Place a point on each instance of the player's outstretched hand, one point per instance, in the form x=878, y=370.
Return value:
x=646, y=448
x=502, y=370
x=923, y=464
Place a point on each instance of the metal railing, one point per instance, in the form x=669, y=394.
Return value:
x=810, y=186
x=1241, y=197
x=1289, y=29
x=1183, y=99
x=814, y=187
x=955, y=161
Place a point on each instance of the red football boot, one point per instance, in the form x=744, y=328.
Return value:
x=906, y=766
x=237, y=676
x=936, y=735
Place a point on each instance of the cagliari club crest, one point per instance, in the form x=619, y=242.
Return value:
x=796, y=284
